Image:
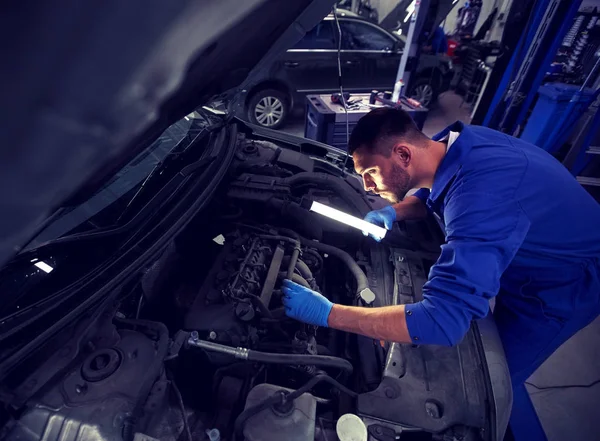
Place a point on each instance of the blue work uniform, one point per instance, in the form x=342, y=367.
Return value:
x=519, y=226
x=439, y=42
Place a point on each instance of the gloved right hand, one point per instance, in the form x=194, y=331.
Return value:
x=384, y=217
x=304, y=304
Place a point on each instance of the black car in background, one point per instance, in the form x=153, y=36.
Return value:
x=370, y=56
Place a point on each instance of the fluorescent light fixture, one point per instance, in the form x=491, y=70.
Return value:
x=347, y=219
x=410, y=9
x=44, y=266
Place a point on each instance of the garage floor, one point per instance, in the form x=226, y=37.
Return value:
x=570, y=414
x=566, y=414
x=448, y=109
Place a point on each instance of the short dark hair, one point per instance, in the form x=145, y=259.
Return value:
x=374, y=130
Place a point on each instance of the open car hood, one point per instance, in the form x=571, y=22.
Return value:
x=93, y=83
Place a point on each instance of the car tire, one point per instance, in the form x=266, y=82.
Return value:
x=268, y=108
x=425, y=91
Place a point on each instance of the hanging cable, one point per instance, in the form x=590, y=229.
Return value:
x=564, y=386
x=339, y=64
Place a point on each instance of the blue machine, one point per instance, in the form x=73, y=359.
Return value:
x=548, y=24
x=553, y=102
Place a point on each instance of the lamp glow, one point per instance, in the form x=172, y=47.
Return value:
x=349, y=220
x=44, y=266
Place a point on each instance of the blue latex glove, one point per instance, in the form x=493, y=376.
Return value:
x=304, y=304
x=383, y=218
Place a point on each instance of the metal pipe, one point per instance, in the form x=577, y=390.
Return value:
x=240, y=353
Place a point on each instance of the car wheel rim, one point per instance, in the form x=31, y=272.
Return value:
x=423, y=94
x=269, y=111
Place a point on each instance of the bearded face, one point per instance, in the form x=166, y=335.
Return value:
x=382, y=175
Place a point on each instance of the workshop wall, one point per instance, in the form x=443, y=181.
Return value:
x=487, y=7
x=384, y=7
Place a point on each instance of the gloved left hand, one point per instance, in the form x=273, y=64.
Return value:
x=304, y=304
x=383, y=218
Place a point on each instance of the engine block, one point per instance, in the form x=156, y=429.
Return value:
x=225, y=306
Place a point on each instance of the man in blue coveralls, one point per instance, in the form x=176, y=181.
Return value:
x=518, y=226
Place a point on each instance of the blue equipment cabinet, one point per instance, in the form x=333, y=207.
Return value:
x=550, y=110
x=326, y=121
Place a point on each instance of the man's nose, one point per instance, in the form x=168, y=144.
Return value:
x=368, y=183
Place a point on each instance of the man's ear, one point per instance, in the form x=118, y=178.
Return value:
x=402, y=154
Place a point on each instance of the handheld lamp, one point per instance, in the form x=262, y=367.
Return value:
x=348, y=219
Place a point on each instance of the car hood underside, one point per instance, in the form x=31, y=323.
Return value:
x=92, y=84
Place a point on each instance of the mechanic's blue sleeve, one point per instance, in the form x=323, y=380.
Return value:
x=483, y=233
x=422, y=194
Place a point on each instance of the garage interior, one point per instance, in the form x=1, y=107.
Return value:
x=565, y=412
x=170, y=168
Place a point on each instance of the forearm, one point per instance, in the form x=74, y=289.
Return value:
x=387, y=323
x=411, y=208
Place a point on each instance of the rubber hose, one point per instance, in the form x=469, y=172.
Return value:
x=301, y=360
x=339, y=186
x=293, y=260
x=302, y=268
x=297, y=278
x=281, y=397
x=289, y=232
x=281, y=238
x=316, y=255
x=362, y=282
x=271, y=357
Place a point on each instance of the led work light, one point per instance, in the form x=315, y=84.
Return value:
x=348, y=219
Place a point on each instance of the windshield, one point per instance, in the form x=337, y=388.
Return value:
x=122, y=186
x=33, y=277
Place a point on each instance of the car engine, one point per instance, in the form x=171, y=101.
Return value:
x=199, y=346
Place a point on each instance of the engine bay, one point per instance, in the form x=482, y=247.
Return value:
x=200, y=346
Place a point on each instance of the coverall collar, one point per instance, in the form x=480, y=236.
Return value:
x=453, y=159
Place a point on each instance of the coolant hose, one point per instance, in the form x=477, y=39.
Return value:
x=362, y=283
x=293, y=260
x=272, y=358
x=339, y=186
x=302, y=268
x=297, y=278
